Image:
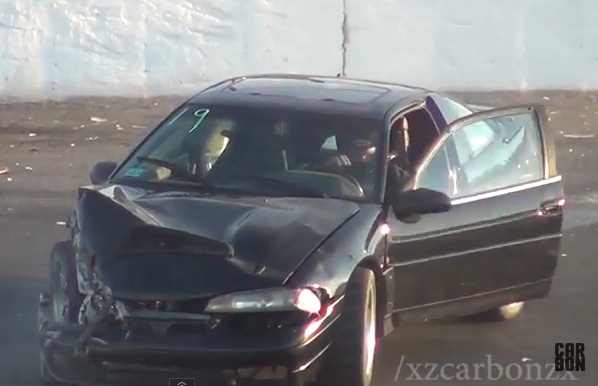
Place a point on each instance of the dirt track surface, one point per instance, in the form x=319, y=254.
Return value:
x=49, y=148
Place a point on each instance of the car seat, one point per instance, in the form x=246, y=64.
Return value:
x=249, y=152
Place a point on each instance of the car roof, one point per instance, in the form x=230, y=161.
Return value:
x=348, y=96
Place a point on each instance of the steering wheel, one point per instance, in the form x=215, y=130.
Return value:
x=329, y=164
x=354, y=182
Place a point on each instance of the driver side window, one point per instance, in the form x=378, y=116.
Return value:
x=436, y=172
x=491, y=154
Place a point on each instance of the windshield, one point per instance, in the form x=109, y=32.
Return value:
x=262, y=152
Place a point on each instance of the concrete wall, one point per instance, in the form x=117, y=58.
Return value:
x=58, y=48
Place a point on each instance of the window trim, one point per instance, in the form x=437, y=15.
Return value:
x=507, y=190
x=390, y=118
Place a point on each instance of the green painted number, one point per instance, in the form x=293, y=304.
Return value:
x=183, y=111
x=201, y=115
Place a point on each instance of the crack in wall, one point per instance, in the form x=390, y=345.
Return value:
x=345, y=41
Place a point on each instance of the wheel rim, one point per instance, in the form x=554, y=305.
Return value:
x=43, y=369
x=60, y=301
x=513, y=307
x=369, y=337
x=46, y=369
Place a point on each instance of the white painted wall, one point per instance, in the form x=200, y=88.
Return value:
x=476, y=44
x=58, y=48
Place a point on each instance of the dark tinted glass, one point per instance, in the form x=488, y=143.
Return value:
x=335, y=155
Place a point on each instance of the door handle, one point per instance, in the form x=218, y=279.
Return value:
x=551, y=207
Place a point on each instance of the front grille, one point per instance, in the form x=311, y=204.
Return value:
x=187, y=328
x=194, y=306
x=149, y=326
x=141, y=327
x=265, y=322
x=243, y=324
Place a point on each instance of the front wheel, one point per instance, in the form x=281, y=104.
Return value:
x=350, y=361
x=64, y=292
x=46, y=373
x=64, y=297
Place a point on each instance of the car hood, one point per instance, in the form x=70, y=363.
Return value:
x=181, y=245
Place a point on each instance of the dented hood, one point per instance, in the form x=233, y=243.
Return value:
x=182, y=245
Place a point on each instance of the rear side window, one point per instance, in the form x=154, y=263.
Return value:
x=330, y=144
x=451, y=109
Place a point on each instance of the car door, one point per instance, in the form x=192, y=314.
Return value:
x=502, y=235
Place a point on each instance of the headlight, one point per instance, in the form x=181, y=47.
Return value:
x=268, y=300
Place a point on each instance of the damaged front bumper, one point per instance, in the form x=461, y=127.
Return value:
x=183, y=345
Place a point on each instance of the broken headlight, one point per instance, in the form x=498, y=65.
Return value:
x=97, y=306
x=267, y=300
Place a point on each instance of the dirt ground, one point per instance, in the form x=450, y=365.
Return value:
x=86, y=130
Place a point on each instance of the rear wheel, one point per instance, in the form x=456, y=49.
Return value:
x=350, y=361
x=501, y=314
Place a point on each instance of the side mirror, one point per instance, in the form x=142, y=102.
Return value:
x=101, y=171
x=420, y=201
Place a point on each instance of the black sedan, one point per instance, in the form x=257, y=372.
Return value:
x=278, y=226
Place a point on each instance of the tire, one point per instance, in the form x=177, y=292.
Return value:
x=501, y=314
x=64, y=291
x=65, y=298
x=350, y=360
x=46, y=374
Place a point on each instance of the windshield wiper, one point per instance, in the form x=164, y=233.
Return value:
x=288, y=186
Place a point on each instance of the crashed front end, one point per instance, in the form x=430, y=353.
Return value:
x=173, y=313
